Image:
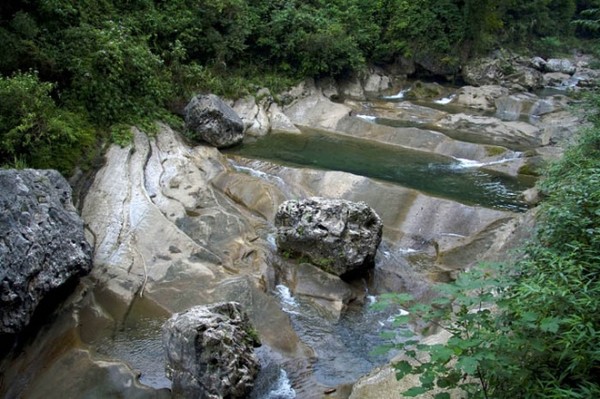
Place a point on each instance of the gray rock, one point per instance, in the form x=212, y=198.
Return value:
x=210, y=352
x=538, y=63
x=482, y=98
x=510, y=108
x=502, y=71
x=425, y=91
x=352, y=88
x=525, y=77
x=42, y=243
x=209, y=119
x=436, y=64
x=561, y=65
x=339, y=236
x=515, y=135
x=587, y=77
x=558, y=79
x=532, y=196
x=376, y=81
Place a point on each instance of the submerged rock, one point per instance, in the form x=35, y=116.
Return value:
x=210, y=352
x=339, y=236
x=42, y=243
x=209, y=119
x=489, y=130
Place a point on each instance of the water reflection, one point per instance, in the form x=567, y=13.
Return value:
x=430, y=173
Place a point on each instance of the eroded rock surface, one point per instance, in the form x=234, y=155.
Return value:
x=42, y=244
x=502, y=70
x=209, y=119
x=339, y=236
x=210, y=353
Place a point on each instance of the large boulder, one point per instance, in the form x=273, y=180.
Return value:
x=210, y=352
x=561, y=65
x=425, y=91
x=339, y=236
x=506, y=72
x=482, y=98
x=42, y=243
x=436, y=64
x=211, y=120
x=376, y=81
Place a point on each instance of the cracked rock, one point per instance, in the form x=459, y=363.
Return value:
x=42, y=243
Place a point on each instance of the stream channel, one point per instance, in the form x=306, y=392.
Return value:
x=343, y=347
x=463, y=200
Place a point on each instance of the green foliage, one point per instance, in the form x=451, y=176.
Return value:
x=34, y=131
x=430, y=25
x=308, y=38
x=589, y=21
x=537, y=18
x=115, y=76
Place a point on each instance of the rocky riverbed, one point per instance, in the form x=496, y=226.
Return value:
x=175, y=226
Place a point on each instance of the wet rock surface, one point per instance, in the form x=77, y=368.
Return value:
x=175, y=227
x=339, y=236
x=42, y=243
x=209, y=119
x=209, y=352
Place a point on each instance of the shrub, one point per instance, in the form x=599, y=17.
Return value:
x=115, y=75
x=34, y=131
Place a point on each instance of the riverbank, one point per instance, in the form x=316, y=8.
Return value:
x=175, y=226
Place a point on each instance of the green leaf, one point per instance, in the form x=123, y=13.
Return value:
x=381, y=350
x=415, y=391
x=550, y=324
x=427, y=379
x=402, y=368
x=401, y=320
x=468, y=364
x=441, y=354
x=442, y=395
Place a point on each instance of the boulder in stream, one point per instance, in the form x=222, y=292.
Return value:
x=339, y=236
x=42, y=243
x=210, y=119
x=561, y=65
x=504, y=71
x=210, y=352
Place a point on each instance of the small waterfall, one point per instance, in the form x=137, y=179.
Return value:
x=272, y=242
x=259, y=174
x=288, y=302
x=282, y=389
x=509, y=108
x=273, y=383
x=399, y=96
x=445, y=100
x=368, y=118
x=462, y=163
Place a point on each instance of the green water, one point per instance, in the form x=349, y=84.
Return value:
x=432, y=174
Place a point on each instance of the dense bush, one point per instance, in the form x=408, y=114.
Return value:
x=34, y=131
